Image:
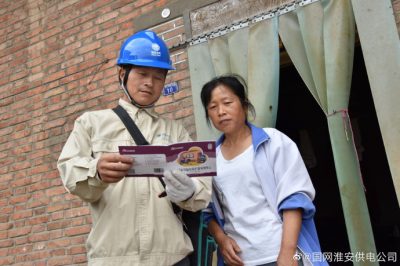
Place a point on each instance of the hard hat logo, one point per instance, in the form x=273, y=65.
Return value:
x=145, y=48
x=155, y=50
x=155, y=47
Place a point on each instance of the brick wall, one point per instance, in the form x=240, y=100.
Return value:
x=57, y=59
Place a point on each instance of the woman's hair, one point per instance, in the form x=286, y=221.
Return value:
x=233, y=82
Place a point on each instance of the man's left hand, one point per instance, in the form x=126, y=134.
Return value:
x=179, y=187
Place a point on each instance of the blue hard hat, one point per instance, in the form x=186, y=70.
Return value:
x=145, y=48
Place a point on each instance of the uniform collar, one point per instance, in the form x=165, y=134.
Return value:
x=133, y=110
x=258, y=136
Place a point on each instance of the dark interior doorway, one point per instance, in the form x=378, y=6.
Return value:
x=300, y=117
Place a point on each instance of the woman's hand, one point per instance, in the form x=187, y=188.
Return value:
x=229, y=249
x=287, y=257
x=290, y=235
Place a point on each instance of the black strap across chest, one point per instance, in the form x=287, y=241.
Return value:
x=138, y=138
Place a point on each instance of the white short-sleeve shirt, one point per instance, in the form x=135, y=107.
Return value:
x=249, y=218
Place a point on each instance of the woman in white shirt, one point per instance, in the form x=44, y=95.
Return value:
x=262, y=211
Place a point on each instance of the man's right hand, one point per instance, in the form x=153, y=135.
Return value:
x=112, y=167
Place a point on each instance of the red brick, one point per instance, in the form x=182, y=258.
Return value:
x=20, y=134
x=5, y=226
x=38, y=254
x=54, y=76
x=56, y=234
x=38, y=220
x=102, y=5
x=78, y=240
x=6, y=101
x=20, y=165
x=4, y=218
x=57, y=243
x=58, y=252
x=90, y=47
x=3, y=235
x=22, y=215
x=106, y=17
x=58, y=206
x=77, y=212
x=21, y=240
x=40, y=169
x=79, y=258
x=22, y=149
x=84, y=3
x=77, y=250
x=57, y=216
x=79, y=221
x=55, y=123
x=49, y=33
x=77, y=230
x=19, y=231
x=184, y=113
x=36, y=201
x=55, y=191
x=7, y=210
x=66, y=260
x=38, y=228
x=9, y=260
x=19, y=199
x=182, y=94
x=4, y=170
x=182, y=65
x=6, y=161
x=6, y=243
x=6, y=177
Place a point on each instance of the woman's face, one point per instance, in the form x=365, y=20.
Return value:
x=225, y=110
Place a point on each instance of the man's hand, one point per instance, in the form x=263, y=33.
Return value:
x=112, y=167
x=179, y=187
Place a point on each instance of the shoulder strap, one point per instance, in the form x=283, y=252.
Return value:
x=130, y=125
x=137, y=137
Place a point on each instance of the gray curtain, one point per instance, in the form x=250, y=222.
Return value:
x=319, y=39
x=381, y=48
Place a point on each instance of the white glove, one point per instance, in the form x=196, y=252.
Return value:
x=179, y=187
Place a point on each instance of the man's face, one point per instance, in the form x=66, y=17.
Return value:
x=145, y=84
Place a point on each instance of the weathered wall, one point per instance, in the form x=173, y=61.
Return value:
x=226, y=12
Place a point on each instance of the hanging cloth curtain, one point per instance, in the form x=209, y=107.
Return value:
x=253, y=53
x=319, y=39
x=380, y=44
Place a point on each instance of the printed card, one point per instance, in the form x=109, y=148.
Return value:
x=197, y=158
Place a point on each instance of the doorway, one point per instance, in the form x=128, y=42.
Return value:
x=300, y=117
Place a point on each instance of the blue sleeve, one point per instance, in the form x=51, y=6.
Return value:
x=208, y=214
x=298, y=201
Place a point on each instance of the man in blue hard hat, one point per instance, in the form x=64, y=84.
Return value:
x=132, y=225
